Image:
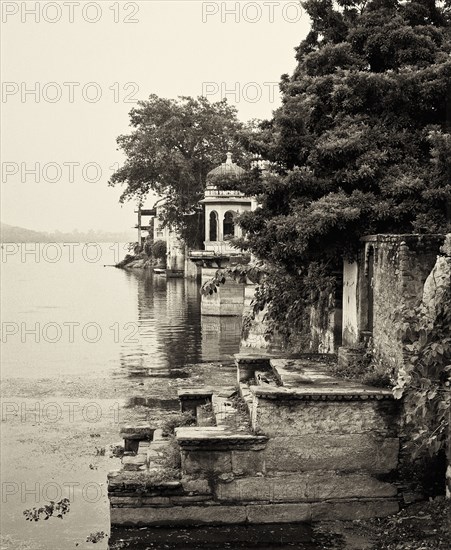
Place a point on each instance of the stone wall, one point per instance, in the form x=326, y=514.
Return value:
x=434, y=293
x=255, y=331
x=325, y=328
x=192, y=270
x=323, y=337
x=350, y=304
x=388, y=276
x=228, y=300
x=293, y=445
x=401, y=265
x=308, y=459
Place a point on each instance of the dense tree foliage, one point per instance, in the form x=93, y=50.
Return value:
x=361, y=143
x=172, y=147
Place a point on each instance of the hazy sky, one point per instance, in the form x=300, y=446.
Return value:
x=84, y=61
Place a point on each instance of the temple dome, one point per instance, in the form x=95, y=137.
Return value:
x=227, y=168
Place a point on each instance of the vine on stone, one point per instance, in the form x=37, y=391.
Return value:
x=424, y=380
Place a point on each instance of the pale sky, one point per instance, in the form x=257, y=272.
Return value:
x=179, y=47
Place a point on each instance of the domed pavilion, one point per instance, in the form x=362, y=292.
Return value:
x=222, y=207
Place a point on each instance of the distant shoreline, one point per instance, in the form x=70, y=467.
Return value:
x=16, y=235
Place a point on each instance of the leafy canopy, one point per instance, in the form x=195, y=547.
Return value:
x=361, y=143
x=171, y=148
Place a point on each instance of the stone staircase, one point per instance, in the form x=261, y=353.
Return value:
x=288, y=444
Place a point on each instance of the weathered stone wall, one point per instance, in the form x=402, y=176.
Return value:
x=275, y=418
x=228, y=300
x=323, y=337
x=350, y=304
x=401, y=265
x=255, y=331
x=388, y=277
x=325, y=325
x=434, y=293
x=192, y=270
x=316, y=460
x=315, y=449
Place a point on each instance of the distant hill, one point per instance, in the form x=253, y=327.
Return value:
x=12, y=234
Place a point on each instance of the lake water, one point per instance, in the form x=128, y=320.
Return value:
x=86, y=348
x=77, y=317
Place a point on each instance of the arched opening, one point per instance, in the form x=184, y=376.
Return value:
x=229, y=225
x=213, y=226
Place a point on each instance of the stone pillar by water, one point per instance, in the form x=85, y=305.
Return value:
x=227, y=301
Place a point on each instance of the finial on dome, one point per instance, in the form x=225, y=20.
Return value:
x=229, y=158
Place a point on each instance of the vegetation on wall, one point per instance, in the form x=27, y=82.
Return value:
x=424, y=380
x=286, y=300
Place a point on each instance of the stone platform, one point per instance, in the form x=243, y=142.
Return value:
x=290, y=444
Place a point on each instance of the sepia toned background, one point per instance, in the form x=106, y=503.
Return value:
x=88, y=62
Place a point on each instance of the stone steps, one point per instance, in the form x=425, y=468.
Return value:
x=313, y=378
x=216, y=438
x=231, y=412
x=289, y=444
x=137, y=514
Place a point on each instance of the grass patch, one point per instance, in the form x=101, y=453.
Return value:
x=363, y=370
x=177, y=420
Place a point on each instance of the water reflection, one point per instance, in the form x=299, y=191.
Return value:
x=261, y=537
x=171, y=333
x=220, y=336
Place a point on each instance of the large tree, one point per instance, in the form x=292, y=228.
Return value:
x=171, y=148
x=361, y=143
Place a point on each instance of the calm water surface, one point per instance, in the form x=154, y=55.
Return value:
x=85, y=349
x=81, y=318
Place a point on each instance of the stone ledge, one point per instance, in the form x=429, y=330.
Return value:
x=315, y=486
x=180, y=515
x=131, y=483
x=134, y=463
x=354, y=509
x=321, y=393
x=241, y=358
x=137, y=432
x=194, y=393
x=217, y=437
x=213, y=514
x=345, y=452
